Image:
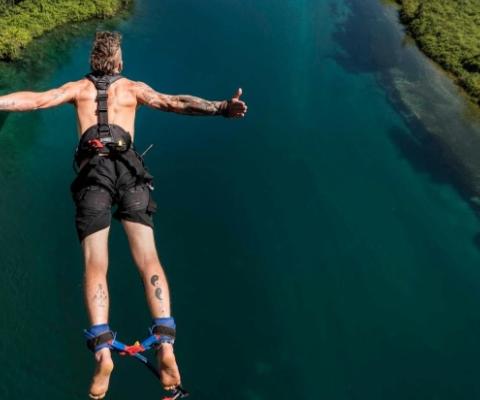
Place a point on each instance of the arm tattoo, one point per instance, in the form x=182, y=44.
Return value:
x=100, y=297
x=149, y=96
x=56, y=94
x=29, y=101
x=7, y=105
x=158, y=294
x=184, y=104
x=191, y=105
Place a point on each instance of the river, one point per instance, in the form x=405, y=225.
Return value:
x=324, y=247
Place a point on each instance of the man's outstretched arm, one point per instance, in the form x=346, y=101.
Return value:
x=191, y=105
x=29, y=101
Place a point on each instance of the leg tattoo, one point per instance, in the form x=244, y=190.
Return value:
x=154, y=281
x=100, y=297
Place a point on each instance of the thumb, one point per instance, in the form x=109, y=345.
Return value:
x=238, y=94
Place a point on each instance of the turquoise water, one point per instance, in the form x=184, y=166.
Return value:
x=308, y=254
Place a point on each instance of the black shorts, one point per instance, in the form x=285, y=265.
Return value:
x=94, y=198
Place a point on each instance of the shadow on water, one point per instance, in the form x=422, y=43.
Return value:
x=366, y=54
x=427, y=153
x=428, y=156
x=371, y=50
x=424, y=154
x=429, y=147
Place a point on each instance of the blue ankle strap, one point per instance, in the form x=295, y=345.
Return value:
x=164, y=330
x=99, y=337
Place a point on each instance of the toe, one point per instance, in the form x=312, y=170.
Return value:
x=96, y=396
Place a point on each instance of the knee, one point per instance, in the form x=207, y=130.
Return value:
x=149, y=263
x=95, y=265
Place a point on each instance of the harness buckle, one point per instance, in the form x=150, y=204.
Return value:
x=103, y=128
x=96, y=144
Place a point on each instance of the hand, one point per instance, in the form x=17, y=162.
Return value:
x=237, y=108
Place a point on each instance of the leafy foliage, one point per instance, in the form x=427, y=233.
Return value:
x=22, y=21
x=449, y=32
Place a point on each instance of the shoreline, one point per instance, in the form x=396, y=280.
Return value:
x=448, y=34
x=442, y=135
x=22, y=23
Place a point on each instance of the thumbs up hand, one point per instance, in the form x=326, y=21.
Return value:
x=237, y=108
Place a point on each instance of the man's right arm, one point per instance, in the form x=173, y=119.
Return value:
x=190, y=105
x=29, y=101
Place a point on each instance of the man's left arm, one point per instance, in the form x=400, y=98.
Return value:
x=29, y=101
x=190, y=105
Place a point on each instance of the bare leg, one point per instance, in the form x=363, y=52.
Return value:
x=142, y=244
x=95, y=251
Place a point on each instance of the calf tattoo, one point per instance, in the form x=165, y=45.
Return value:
x=154, y=280
x=100, y=297
x=158, y=291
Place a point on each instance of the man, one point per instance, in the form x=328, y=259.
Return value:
x=111, y=172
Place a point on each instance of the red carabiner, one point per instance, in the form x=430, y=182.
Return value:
x=133, y=349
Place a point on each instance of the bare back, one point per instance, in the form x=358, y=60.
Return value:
x=122, y=104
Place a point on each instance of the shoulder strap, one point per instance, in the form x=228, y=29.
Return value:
x=102, y=83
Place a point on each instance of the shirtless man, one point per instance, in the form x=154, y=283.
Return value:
x=111, y=172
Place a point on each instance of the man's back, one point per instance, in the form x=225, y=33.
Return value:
x=122, y=104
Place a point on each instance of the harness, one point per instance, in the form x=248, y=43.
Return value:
x=107, y=140
x=102, y=139
x=106, y=143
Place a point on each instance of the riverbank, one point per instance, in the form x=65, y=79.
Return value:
x=449, y=33
x=21, y=23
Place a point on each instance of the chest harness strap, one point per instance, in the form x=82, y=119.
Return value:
x=106, y=142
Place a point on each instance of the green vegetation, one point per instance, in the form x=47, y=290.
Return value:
x=22, y=21
x=449, y=32
x=5, y=4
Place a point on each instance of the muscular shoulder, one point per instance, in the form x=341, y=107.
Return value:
x=76, y=86
x=128, y=84
x=148, y=96
x=74, y=89
x=141, y=87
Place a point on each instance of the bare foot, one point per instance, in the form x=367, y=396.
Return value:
x=101, y=377
x=167, y=366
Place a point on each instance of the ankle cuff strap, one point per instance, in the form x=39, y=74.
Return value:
x=98, y=342
x=164, y=329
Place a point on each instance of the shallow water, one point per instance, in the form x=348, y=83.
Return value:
x=309, y=253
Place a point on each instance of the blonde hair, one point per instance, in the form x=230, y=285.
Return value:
x=104, y=56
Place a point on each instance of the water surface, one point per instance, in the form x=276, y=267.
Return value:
x=309, y=254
